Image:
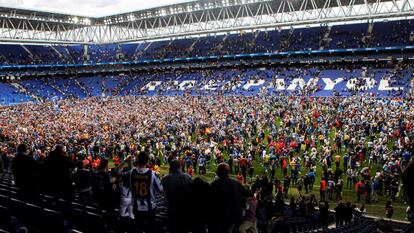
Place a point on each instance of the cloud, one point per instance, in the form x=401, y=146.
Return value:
x=92, y=8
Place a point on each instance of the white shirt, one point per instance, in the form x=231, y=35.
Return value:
x=125, y=204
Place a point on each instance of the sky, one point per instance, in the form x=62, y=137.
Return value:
x=91, y=8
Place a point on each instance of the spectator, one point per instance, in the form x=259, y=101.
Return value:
x=407, y=177
x=306, y=183
x=389, y=210
x=348, y=213
x=126, y=215
x=82, y=178
x=265, y=209
x=357, y=213
x=367, y=192
x=331, y=188
x=340, y=214
x=363, y=210
x=226, y=202
x=5, y=158
x=299, y=185
x=409, y=214
x=249, y=223
x=338, y=188
x=57, y=174
x=2, y=165
x=144, y=184
x=25, y=170
x=286, y=185
x=199, y=192
x=103, y=192
x=293, y=206
x=279, y=206
x=324, y=214
x=322, y=190
x=176, y=186
x=359, y=189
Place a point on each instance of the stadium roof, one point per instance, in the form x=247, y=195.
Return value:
x=95, y=8
x=87, y=8
x=190, y=18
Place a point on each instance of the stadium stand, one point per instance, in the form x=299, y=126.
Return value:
x=382, y=34
x=309, y=81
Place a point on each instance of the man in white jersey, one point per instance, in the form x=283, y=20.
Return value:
x=144, y=183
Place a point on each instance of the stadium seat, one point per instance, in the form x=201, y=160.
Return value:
x=95, y=223
x=31, y=216
x=51, y=221
x=17, y=208
x=6, y=221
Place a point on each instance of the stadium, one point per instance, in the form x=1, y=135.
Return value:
x=218, y=116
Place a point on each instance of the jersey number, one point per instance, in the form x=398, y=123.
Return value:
x=141, y=189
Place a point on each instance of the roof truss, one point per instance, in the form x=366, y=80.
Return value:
x=186, y=19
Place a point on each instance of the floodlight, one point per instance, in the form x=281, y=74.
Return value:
x=131, y=17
